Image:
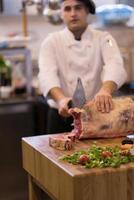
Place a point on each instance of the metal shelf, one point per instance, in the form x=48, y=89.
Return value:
x=28, y=63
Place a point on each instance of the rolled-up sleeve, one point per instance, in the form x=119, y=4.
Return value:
x=113, y=68
x=48, y=69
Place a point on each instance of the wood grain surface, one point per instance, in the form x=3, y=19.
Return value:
x=64, y=181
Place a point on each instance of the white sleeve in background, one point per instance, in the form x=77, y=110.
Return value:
x=48, y=71
x=113, y=69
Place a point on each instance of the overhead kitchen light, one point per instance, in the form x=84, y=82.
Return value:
x=52, y=11
x=39, y=6
x=48, y=8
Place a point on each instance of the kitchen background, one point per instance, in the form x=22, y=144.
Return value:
x=23, y=112
x=39, y=27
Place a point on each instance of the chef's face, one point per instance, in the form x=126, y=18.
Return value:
x=74, y=14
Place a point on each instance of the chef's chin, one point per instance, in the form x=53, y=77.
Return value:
x=75, y=27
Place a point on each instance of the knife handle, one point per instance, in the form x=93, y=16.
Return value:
x=70, y=104
x=127, y=141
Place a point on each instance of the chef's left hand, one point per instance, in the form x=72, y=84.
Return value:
x=103, y=101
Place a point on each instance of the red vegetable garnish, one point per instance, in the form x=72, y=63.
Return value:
x=106, y=154
x=83, y=159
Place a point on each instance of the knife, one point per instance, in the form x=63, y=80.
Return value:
x=79, y=97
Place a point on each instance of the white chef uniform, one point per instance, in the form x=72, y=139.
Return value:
x=95, y=59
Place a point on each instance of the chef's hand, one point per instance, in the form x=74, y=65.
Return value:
x=63, y=107
x=103, y=101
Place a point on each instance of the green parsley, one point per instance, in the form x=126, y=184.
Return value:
x=99, y=157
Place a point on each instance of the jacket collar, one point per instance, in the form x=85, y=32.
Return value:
x=86, y=37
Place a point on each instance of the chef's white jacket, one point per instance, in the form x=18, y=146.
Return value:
x=95, y=59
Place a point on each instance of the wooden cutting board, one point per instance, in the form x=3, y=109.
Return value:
x=64, y=181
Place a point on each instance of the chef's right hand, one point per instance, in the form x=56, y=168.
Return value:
x=63, y=107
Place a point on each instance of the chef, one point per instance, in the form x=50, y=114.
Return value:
x=78, y=51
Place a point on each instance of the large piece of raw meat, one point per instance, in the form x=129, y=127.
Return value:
x=91, y=123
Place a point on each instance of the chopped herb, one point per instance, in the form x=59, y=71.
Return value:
x=99, y=157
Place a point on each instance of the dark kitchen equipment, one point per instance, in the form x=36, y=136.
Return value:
x=16, y=121
x=128, y=140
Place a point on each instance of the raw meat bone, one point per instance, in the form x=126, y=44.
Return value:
x=62, y=141
x=91, y=123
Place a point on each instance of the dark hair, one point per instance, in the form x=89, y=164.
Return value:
x=89, y=4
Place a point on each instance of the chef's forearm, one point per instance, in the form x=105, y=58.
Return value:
x=56, y=94
x=109, y=86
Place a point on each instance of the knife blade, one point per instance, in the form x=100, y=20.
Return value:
x=79, y=97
